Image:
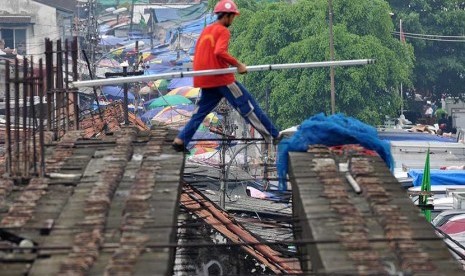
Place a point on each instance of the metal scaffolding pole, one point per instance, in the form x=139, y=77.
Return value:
x=268, y=67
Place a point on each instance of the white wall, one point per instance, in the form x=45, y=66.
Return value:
x=43, y=17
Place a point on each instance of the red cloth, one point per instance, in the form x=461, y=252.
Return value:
x=211, y=52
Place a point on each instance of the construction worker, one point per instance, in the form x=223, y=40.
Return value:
x=211, y=52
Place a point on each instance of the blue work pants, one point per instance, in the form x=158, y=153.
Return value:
x=240, y=99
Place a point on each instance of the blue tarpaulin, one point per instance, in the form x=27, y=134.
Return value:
x=439, y=177
x=331, y=130
x=414, y=136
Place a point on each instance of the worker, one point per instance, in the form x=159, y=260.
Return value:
x=211, y=52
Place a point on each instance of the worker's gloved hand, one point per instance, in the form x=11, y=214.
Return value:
x=241, y=68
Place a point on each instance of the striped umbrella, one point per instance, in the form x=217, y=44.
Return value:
x=186, y=91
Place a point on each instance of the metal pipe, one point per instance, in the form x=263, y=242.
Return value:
x=24, y=128
x=125, y=99
x=353, y=183
x=74, y=58
x=223, y=176
x=16, y=130
x=8, y=117
x=253, y=68
x=32, y=118
x=41, y=119
x=66, y=92
x=49, y=80
x=59, y=105
x=331, y=57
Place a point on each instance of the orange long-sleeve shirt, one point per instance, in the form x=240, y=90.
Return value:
x=211, y=52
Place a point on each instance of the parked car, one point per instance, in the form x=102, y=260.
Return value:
x=445, y=216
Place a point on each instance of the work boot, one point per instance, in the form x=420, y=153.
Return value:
x=179, y=148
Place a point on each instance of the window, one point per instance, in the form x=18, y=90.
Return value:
x=14, y=39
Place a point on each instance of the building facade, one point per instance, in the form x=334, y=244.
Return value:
x=24, y=24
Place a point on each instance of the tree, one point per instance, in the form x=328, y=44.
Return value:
x=287, y=33
x=440, y=62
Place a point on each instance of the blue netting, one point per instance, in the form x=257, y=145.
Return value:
x=330, y=131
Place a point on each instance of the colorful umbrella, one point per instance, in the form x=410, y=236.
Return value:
x=201, y=150
x=172, y=111
x=161, y=85
x=147, y=56
x=179, y=82
x=186, y=91
x=148, y=115
x=211, y=119
x=169, y=100
x=145, y=90
x=173, y=116
x=108, y=62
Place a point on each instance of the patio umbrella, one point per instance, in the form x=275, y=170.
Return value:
x=145, y=90
x=208, y=144
x=147, y=56
x=148, y=115
x=180, y=82
x=116, y=93
x=161, y=85
x=169, y=100
x=173, y=111
x=211, y=119
x=186, y=91
x=201, y=150
x=108, y=62
x=171, y=118
x=205, y=134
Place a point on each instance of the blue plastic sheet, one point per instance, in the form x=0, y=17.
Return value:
x=439, y=177
x=331, y=130
x=414, y=136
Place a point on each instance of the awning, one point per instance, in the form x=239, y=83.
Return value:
x=15, y=20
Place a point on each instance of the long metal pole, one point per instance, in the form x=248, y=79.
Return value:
x=268, y=67
x=331, y=56
x=401, y=100
x=125, y=99
x=8, y=118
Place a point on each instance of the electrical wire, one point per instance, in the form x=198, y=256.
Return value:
x=429, y=38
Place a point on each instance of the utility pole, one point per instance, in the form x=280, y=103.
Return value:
x=132, y=16
x=178, y=46
x=92, y=36
x=152, y=19
x=331, y=54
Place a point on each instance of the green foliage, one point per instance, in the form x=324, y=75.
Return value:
x=291, y=33
x=439, y=65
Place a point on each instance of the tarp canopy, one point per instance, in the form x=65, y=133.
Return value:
x=184, y=14
x=413, y=136
x=439, y=177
